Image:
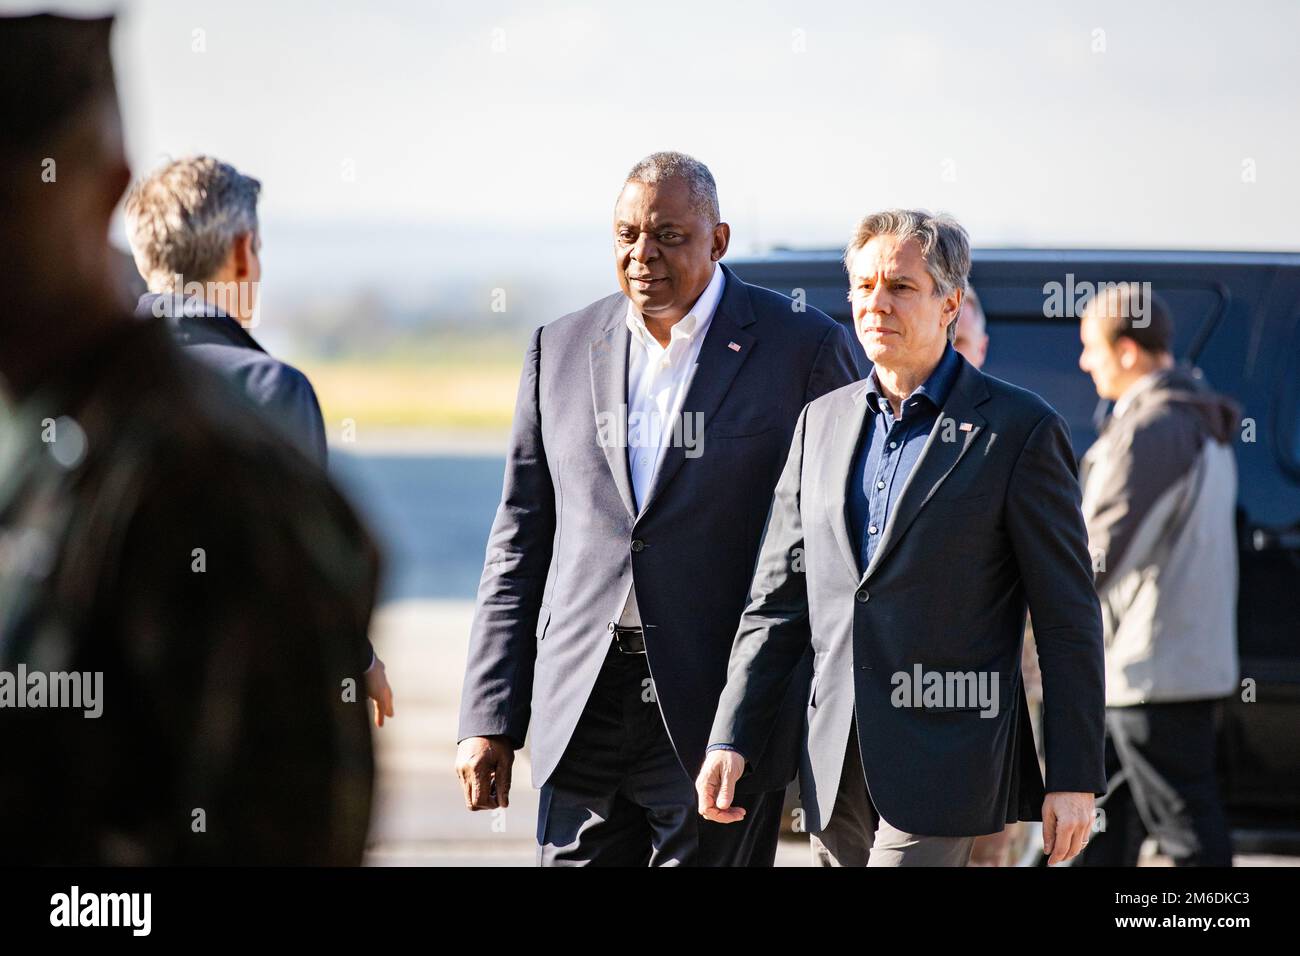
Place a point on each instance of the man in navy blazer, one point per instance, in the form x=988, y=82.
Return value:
x=647, y=439
x=920, y=511
x=193, y=230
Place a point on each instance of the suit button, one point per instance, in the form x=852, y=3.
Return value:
x=861, y=597
x=638, y=544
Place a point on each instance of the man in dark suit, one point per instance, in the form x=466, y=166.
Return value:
x=194, y=233
x=918, y=513
x=647, y=440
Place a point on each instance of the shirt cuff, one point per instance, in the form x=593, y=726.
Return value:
x=713, y=747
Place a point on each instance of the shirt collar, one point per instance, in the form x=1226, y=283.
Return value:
x=693, y=324
x=1137, y=388
x=935, y=389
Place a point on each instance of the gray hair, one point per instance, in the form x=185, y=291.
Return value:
x=943, y=240
x=183, y=218
x=658, y=167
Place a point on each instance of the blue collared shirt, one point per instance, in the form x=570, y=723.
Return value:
x=888, y=450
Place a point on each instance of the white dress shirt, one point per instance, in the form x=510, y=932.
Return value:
x=657, y=381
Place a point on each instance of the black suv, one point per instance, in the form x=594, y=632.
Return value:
x=1236, y=317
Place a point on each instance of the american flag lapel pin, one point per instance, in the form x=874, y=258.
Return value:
x=734, y=346
x=965, y=426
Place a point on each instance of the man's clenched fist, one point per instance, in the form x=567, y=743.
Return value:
x=716, y=786
x=483, y=765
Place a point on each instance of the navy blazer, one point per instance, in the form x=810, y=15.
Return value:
x=281, y=391
x=568, y=538
x=987, y=525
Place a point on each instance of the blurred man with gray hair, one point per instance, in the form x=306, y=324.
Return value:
x=193, y=229
x=927, y=505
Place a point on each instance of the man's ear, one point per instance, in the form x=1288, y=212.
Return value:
x=721, y=239
x=242, y=254
x=1128, y=352
x=952, y=308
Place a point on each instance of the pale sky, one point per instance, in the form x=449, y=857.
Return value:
x=506, y=128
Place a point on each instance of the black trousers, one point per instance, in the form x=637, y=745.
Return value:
x=1161, y=771
x=620, y=797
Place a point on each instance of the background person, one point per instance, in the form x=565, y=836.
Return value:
x=194, y=220
x=1159, y=497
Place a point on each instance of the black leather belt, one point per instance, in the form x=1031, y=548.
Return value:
x=628, y=640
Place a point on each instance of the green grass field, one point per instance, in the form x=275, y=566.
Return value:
x=455, y=390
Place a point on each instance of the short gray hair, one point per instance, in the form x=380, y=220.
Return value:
x=183, y=218
x=943, y=240
x=658, y=167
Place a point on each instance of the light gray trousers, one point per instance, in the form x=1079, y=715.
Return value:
x=855, y=835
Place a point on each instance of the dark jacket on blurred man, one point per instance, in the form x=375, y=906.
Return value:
x=184, y=599
x=282, y=392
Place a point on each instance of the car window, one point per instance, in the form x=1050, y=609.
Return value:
x=1287, y=413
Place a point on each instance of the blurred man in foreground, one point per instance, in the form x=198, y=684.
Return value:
x=183, y=600
x=1159, y=496
x=194, y=233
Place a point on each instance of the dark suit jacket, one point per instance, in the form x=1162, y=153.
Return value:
x=568, y=540
x=281, y=391
x=988, y=521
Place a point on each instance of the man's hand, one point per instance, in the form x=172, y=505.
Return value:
x=483, y=765
x=377, y=689
x=1067, y=825
x=716, y=786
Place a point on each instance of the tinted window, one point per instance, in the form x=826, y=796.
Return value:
x=1288, y=406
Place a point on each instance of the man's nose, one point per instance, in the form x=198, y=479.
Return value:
x=643, y=250
x=875, y=301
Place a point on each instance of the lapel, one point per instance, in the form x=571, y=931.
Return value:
x=839, y=472
x=938, y=458
x=609, y=395
x=712, y=376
